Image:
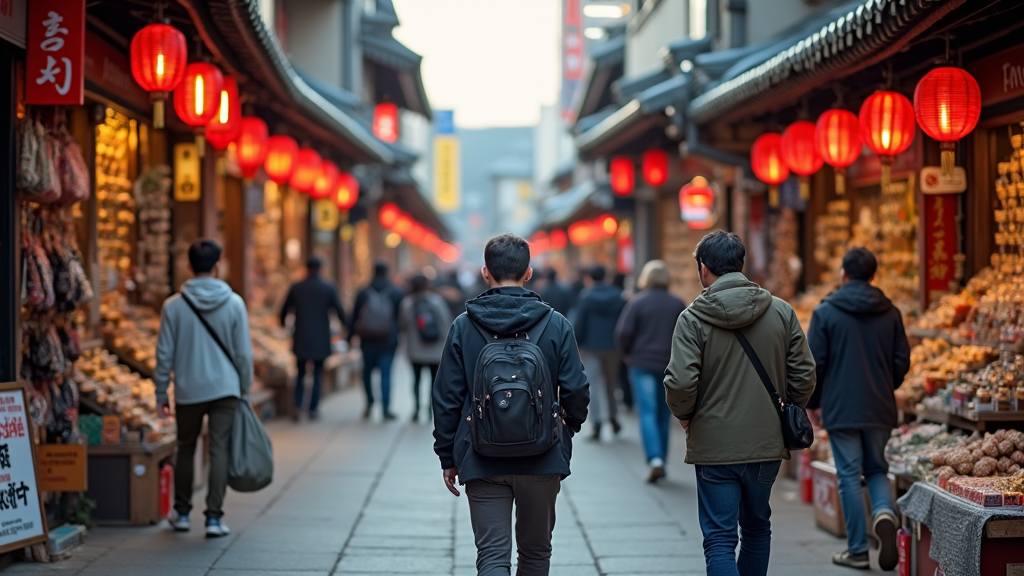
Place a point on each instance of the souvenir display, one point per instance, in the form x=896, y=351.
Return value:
x=996, y=454
x=153, y=198
x=130, y=331
x=936, y=363
x=785, y=267
x=910, y=448
x=115, y=204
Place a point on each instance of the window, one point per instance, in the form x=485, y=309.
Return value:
x=698, y=19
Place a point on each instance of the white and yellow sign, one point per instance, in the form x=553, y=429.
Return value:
x=447, y=192
x=187, y=173
x=325, y=215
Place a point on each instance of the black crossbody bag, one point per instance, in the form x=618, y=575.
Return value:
x=797, y=433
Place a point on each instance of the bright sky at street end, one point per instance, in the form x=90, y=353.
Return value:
x=495, y=62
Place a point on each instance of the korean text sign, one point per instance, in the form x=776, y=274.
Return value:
x=21, y=520
x=55, y=62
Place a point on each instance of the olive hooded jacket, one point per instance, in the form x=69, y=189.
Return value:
x=711, y=382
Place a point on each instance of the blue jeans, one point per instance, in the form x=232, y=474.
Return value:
x=861, y=452
x=732, y=495
x=300, y=384
x=649, y=396
x=382, y=361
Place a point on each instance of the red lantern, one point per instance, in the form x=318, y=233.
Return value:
x=697, y=204
x=225, y=126
x=385, y=122
x=347, y=193
x=388, y=215
x=282, y=153
x=947, y=103
x=251, y=145
x=768, y=165
x=307, y=168
x=197, y=98
x=608, y=225
x=158, y=56
x=325, y=181
x=887, y=127
x=799, y=154
x=622, y=175
x=837, y=140
x=403, y=224
x=655, y=167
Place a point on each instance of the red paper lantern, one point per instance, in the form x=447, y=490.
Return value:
x=608, y=225
x=622, y=175
x=325, y=181
x=581, y=233
x=307, y=168
x=347, y=193
x=947, y=104
x=159, y=53
x=225, y=126
x=197, y=98
x=837, y=140
x=887, y=127
x=559, y=239
x=768, y=165
x=282, y=156
x=385, y=122
x=251, y=145
x=800, y=155
x=655, y=167
x=697, y=204
x=388, y=215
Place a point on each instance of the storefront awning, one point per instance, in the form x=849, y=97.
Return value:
x=581, y=201
x=628, y=87
x=853, y=38
x=684, y=49
x=398, y=68
x=604, y=66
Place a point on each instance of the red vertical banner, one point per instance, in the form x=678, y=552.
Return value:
x=940, y=249
x=55, y=62
x=572, y=53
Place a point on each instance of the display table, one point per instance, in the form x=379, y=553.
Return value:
x=963, y=538
x=971, y=420
x=124, y=480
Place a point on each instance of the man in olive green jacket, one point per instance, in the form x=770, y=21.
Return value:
x=734, y=436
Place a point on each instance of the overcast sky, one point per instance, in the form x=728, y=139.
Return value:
x=495, y=62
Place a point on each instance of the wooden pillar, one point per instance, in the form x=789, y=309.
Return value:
x=10, y=223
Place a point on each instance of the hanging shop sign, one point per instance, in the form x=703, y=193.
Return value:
x=447, y=192
x=385, y=122
x=62, y=468
x=12, y=21
x=108, y=71
x=934, y=181
x=55, y=62
x=325, y=215
x=187, y=181
x=940, y=232
x=22, y=522
x=1000, y=76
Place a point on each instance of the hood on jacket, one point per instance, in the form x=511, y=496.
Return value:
x=731, y=302
x=207, y=293
x=380, y=283
x=859, y=297
x=607, y=299
x=507, y=310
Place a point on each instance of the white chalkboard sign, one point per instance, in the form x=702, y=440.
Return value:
x=22, y=521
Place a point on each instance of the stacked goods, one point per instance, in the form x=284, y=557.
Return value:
x=989, y=492
x=995, y=455
x=271, y=348
x=934, y=363
x=131, y=331
x=911, y=446
x=153, y=198
x=118, y=391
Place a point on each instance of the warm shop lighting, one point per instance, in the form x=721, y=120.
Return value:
x=697, y=203
x=609, y=224
x=226, y=125
x=603, y=11
x=392, y=240
x=197, y=98
x=388, y=215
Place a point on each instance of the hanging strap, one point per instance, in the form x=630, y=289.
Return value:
x=531, y=335
x=761, y=372
x=216, y=338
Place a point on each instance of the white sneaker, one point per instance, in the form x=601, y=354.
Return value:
x=215, y=528
x=178, y=522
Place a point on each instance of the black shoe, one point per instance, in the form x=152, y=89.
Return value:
x=859, y=561
x=595, y=436
x=415, y=416
x=885, y=529
x=368, y=412
x=389, y=416
x=314, y=415
x=296, y=416
x=616, y=428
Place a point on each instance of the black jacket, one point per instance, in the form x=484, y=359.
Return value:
x=558, y=297
x=312, y=300
x=505, y=311
x=596, y=316
x=389, y=344
x=862, y=355
x=645, y=329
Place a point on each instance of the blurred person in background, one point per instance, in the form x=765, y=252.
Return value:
x=644, y=336
x=595, y=318
x=449, y=288
x=555, y=294
x=311, y=302
x=375, y=320
x=424, y=320
x=623, y=383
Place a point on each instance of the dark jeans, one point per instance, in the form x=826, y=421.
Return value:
x=189, y=417
x=417, y=375
x=383, y=361
x=300, y=385
x=730, y=495
x=860, y=452
x=490, y=511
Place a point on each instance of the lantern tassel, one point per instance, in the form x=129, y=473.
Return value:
x=773, y=196
x=200, y=144
x=948, y=152
x=886, y=173
x=158, y=114
x=840, y=181
x=805, y=188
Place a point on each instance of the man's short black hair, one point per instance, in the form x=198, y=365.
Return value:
x=551, y=274
x=722, y=252
x=380, y=269
x=597, y=273
x=507, y=257
x=203, y=255
x=859, y=263
x=314, y=263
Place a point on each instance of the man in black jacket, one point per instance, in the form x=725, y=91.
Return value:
x=554, y=294
x=375, y=320
x=493, y=484
x=594, y=323
x=862, y=356
x=311, y=300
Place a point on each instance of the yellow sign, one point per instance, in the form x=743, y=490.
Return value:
x=325, y=215
x=187, y=179
x=447, y=193
x=62, y=467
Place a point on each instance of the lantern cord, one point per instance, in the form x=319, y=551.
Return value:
x=840, y=181
x=773, y=196
x=840, y=96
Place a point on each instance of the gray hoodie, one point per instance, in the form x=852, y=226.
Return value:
x=202, y=372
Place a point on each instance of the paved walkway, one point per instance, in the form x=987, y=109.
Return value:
x=353, y=497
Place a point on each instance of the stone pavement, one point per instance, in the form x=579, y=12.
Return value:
x=366, y=498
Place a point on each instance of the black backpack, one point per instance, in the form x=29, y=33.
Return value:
x=377, y=316
x=426, y=320
x=515, y=403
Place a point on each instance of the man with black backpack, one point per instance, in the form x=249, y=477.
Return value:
x=510, y=394
x=375, y=320
x=424, y=321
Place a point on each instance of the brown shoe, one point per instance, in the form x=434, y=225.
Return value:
x=657, y=473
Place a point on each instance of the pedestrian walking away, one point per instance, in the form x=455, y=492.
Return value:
x=424, y=321
x=510, y=395
x=555, y=294
x=375, y=320
x=207, y=383
x=594, y=325
x=862, y=356
x=733, y=430
x=311, y=301
x=644, y=336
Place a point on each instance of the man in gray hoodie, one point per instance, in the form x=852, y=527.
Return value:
x=206, y=381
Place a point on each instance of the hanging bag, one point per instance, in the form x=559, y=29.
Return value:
x=28, y=156
x=50, y=158
x=74, y=172
x=251, y=460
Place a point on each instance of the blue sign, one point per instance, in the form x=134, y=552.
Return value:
x=444, y=121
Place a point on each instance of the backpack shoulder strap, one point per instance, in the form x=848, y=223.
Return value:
x=210, y=331
x=533, y=334
x=761, y=372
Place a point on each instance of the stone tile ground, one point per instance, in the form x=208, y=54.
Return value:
x=366, y=498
